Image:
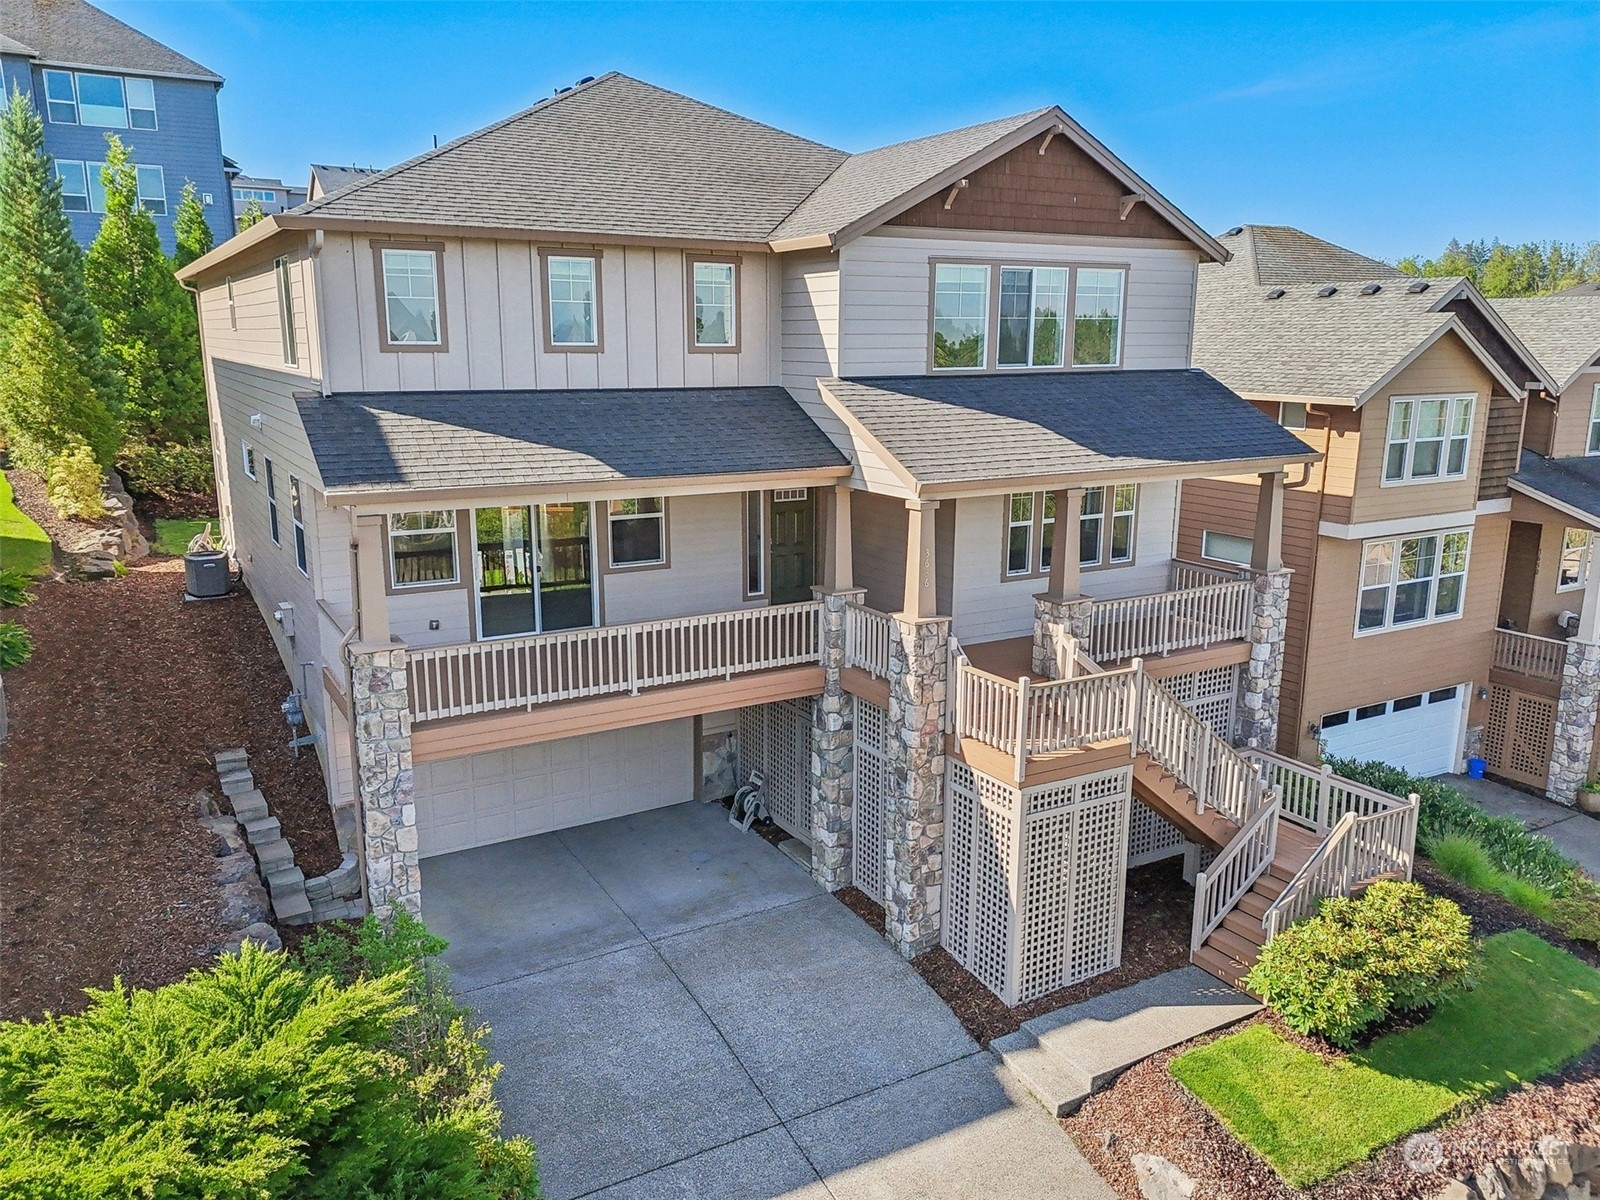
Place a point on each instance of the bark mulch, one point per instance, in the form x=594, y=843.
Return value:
x=1148, y=1111
x=1155, y=939
x=32, y=498
x=104, y=870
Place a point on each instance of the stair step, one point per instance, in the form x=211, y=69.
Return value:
x=1246, y=926
x=1234, y=946
x=1254, y=904
x=1218, y=964
x=1270, y=886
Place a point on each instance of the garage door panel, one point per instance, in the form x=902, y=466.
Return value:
x=1422, y=740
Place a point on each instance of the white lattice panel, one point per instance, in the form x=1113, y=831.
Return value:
x=775, y=739
x=961, y=803
x=1151, y=837
x=1098, y=882
x=1212, y=695
x=871, y=848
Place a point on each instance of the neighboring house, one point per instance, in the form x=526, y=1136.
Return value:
x=270, y=195
x=89, y=74
x=326, y=180
x=1413, y=391
x=692, y=442
x=1544, y=687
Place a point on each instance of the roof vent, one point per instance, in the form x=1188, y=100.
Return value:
x=1419, y=287
x=1276, y=294
x=584, y=80
x=1235, y=231
x=562, y=91
x=1327, y=291
x=1372, y=289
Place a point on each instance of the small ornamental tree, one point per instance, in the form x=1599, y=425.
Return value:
x=193, y=234
x=251, y=214
x=48, y=405
x=147, y=321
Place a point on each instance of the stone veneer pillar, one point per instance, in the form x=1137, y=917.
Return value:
x=1573, y=743
x=1263, y=675
x=918, y=669
x=832, y=753
x=1060, y=629
x=381, y=714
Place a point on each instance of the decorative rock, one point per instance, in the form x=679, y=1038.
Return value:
x=1454, y=1189
x=235, y=867
x=260, y=933
x=244, y=903
x=1557, y=1159
x=1161, y=1179
x=205, y=804
x=1491, y=1184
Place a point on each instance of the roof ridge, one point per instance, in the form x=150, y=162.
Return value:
x=1030, y=115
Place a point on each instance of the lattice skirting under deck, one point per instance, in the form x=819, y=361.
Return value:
x=775, y=739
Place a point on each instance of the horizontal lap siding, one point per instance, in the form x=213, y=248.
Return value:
x=707, y=555
x=1572, y=420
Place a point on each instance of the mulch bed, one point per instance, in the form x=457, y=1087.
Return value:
x=182, y=506
x=32, y=498
x=104, y=869
x=1492, y=914
x=1155, y=939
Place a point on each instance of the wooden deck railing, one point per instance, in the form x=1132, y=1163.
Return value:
x=867, y=634
x=1527, y=654
x=1218, y=775
x=481, y=677
x=1166, y=621
x=1186, y=573
x=1232, y=873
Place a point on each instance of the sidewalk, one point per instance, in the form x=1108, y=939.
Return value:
x=1575, y=833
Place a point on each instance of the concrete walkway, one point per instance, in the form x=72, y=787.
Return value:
x=1575, y=833
x=681, y=1011
x=1065, y=1056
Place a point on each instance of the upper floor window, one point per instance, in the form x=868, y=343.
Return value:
x=297, y=517
x=248, y=453
x=412, y=298
x=422, y=548
x=1097, y=318
x=1576, y=550
x=1408, y=580
x=638, y=529
x=714, y=303
x=111, y=101
x=1292, y=415
x=261, y=195
x=1105, y=531
x=291, y=352
x=152, y=182
x=1594, y=422
x=960, y=316
x=1227, y=547
x=1429, y=437
x=272, y=503
x=74, y=178
x=572, y=301
x=1033, y=316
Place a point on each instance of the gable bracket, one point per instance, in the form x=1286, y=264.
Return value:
x=950, y=197
x=1049, y=136
x=1128, y=201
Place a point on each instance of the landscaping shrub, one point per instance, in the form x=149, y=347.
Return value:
x=16, y=647
x=75, y=485
x=1463, y=858
x=255, y=1078
x=1578, y=915
x=1393, y=949
x=15, y=590
x=167, y=470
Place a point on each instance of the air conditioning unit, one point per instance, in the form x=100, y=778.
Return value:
x=1568, y=620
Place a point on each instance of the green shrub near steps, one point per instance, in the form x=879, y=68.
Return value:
x=16, y=647
x=1463, y=858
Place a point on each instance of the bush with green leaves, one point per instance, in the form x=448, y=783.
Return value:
x=256, y=1078
x=1392, y=949
x=75, y=485
x=1578, y=915
x=1463, y=858
x=16, y=589
x=16, y=647
x=167, y=469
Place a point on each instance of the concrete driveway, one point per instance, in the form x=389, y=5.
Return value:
x=681, y=1011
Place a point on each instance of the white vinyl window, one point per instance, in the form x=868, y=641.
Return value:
x=1409, y=580
x=109, y=101
x=152, y=183
x=95, y=172
x=1106, y=528
x=261, y=195
x=74, y=186
x=291, y=352
x=638, y=529
x=1594, y=422
x=1097, y=318
x=411, y=297
x=1033, y=316
x=715, y=293
x=1292, y=415
x=1577, y=547
x=297, y=517
x=272, y=504
x=1429, y=438
x=572, y=301
x=422, y=548
x=247, y=454
x=1226, y=547
x=141, y=103
x=1019, y=534
x=960, y=316
x=61, y=98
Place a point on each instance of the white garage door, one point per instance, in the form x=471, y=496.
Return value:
x=503, y=794
x=1416, y=733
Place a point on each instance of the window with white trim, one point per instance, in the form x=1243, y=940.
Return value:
x=291, y=352
x=715, y=293
x=422, y=548
x=60, y=97
x=571, y=283
x=411, y=297
x=1227, y=547
x=74, y=185
x=1019, y=534
x=960, y=316
x=1292, y=415
x=272, y=504
x=1097, y=317
x=1405, y=581
x=1429, y=438
x=247, y=454
x=95, y=171
x=1577, y=548
x=1047, y=532
x=1594, y=422
x=1033, y=316
x=638, y=531
x=261, y=195
x=1105, y=538
x=152, y=185
x=297, y=517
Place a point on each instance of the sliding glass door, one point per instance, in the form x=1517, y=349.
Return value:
x=533, y=569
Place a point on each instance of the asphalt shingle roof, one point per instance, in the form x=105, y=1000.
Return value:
x=956, y=429
x=1284, y=255
x=380, y=440
x=331, y=179
x=1562, y=331
x=1574, y=482
x=70, y=31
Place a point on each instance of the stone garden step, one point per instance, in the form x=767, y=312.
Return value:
x=273, y=854
x=262, y=829
x=249, y=806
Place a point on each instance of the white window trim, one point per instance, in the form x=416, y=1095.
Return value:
x=730, y=346
x=1122, y=317
x=1444, y=475
x=141, y=197
x=297, y=504
x=455, y=550
x=72, y=83
x=1589, y=447
x=659, y=517
x=274, y=524
x=594, y=300
x=1292, y=415
x=1035, y=516
x=1205, y=541
x=991, y=340
x=94, y=174
x=1585, y=563
x=1388, y=625
x=433, y=256
x=755, y=539
x=78, y=92
x=247, y=455
x=128, y=107
x=88, y=203
x=291, y=351
x=233, y=310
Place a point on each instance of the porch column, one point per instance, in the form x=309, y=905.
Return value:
x=921, y=595
x=1267, y=550
x=372, y=600
x=1263, y=674
x=914, y=879
x=1062, y=618
x=837, y=563
x=1572, y=745
x=833, y=753
x=381, y=713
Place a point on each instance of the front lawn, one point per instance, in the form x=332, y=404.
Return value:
x=1535, y=1008
x=173, y=534
x=23, y=545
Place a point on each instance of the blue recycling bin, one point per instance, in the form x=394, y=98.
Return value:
x=1475, y=768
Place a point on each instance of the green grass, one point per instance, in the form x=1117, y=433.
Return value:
x=172, y=535
x=1535, y=1008
x=1464, y=859
x=23, y=545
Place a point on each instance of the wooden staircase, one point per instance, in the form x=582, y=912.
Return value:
x=1233, y=947
x=1173, y=799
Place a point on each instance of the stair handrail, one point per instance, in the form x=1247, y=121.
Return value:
x=1193, y=753
x=1329, y=863
x=1220, y=887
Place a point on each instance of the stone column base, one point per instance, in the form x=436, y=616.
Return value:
x=1572, y=746
x=918, y=670
x=1061, y=628
x=833, y=755
x=381, y=714
x=1263, y=674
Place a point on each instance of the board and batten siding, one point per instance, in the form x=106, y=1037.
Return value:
x=254, y=333
x=495, y=316
x=885, y=285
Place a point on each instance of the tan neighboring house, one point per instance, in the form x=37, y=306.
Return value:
x=1548, y=660
x=1413, y=391
x=606, y=455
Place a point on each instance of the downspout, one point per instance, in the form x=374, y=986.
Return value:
x=317, y=242
x=1316, y=560
x=219, y=442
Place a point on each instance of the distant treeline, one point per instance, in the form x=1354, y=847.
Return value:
x=1531, y=269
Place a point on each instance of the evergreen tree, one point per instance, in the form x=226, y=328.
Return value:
x=194, y=235
x=252, y=213
x=48, y=407
x=148, y=324
x=1497, y=269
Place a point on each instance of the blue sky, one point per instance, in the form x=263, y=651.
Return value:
x=1389, y=128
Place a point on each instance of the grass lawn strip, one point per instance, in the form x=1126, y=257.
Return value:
x=23, y=545
x=174, y=533
x=1535, y=1008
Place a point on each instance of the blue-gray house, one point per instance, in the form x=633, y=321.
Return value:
x=89, y=75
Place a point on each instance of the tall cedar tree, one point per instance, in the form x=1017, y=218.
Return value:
x=147, y=321
x=194, y=235
x=53, y=381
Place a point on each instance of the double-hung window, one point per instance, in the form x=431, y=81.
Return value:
x=1594, y=422
x=61, y=98
x=960, y=316
x=1019, y=533
x=1412, y=579
x=152, y=184
x=1429, y=438
x=74, y=186
x=572, y=301
x=1577, y=547
x=291, y=352
x=97, y=186
x=412, y=309
x=1106, y=528
x=297, y=517
x=1097, y=318
x=1033, y=316
x=638, y=531
x=422, y=548
x=272, y=504
x=713, y=298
